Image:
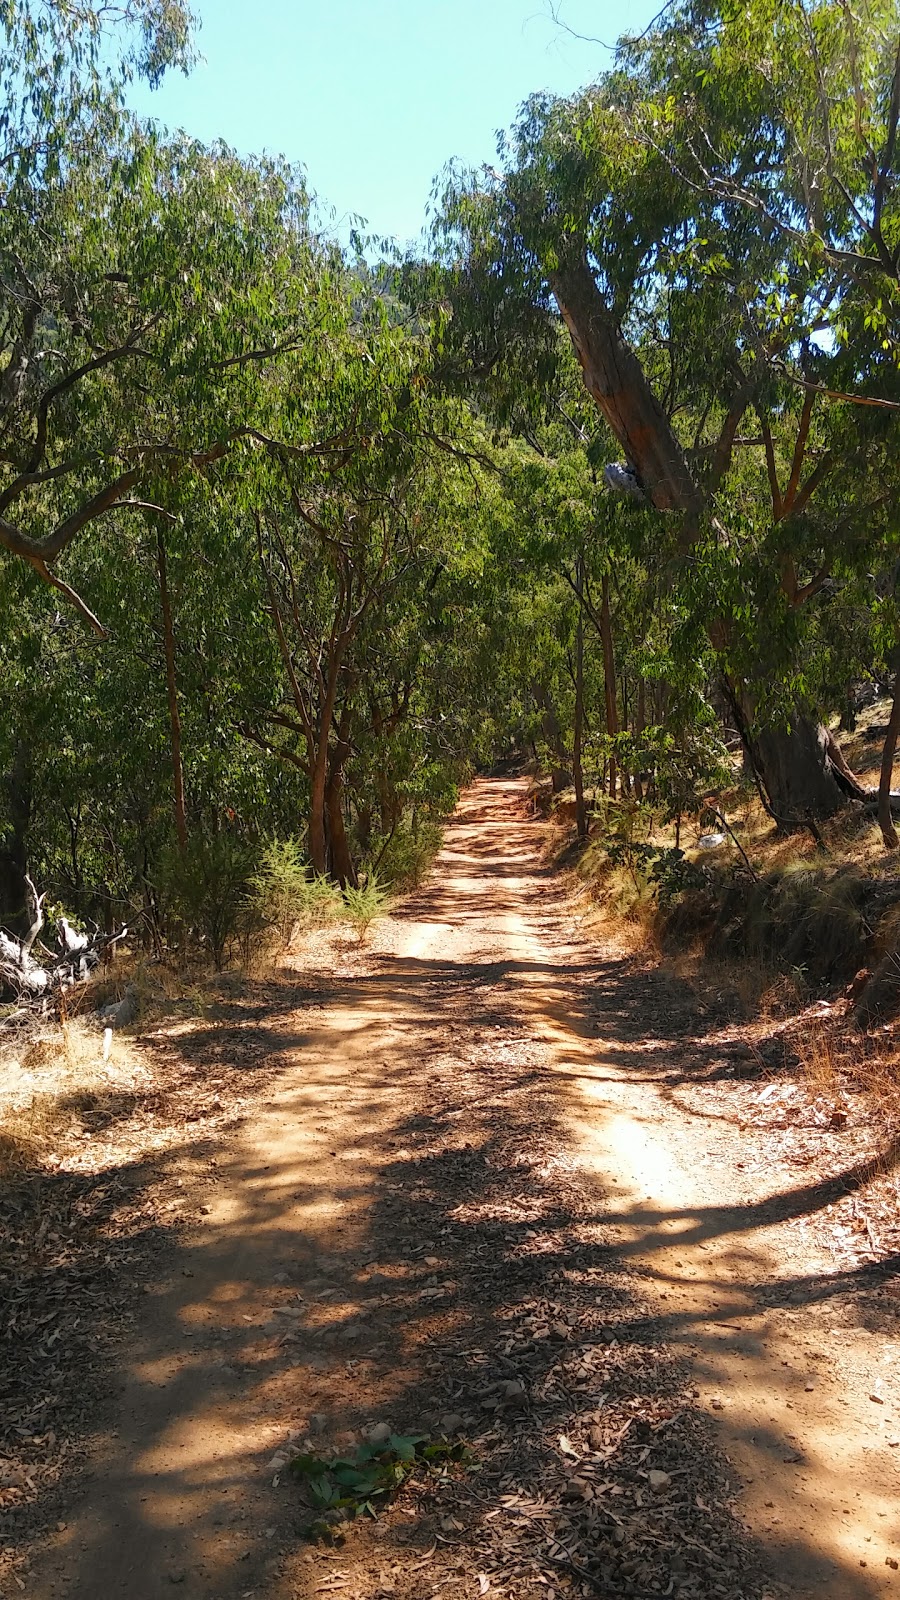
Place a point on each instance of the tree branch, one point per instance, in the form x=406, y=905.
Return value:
x=799, y=452
x=74, y=598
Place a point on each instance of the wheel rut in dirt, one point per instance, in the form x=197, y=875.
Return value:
x=462, y=1205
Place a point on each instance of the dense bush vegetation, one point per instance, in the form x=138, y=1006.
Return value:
x=295, y=539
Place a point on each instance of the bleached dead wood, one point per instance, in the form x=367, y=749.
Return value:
x=28, y=980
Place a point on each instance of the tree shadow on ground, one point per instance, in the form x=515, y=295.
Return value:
x=465, y=1266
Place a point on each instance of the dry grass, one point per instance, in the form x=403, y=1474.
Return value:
x=49, y=1073
x=819, y=1060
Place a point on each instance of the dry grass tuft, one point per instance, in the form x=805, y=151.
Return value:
x=819, y=1060
x=47, y=1077
x=26, y=1141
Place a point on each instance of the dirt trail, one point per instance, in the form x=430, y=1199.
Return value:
x=476, y=1114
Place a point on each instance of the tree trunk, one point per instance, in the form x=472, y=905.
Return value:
x=560, y=776
x=318, y=844
x=577, y=768
x=801, y=781
x=172, y=693
x=640, y=723
x=14, y=848
x=609, y=677
x=364, y=825
x=885, y=819
x=615, y=379
x=340, y=859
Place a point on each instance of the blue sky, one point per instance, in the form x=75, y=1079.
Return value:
x=373, y=97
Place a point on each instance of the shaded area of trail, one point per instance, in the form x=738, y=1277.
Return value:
x=461, y=1193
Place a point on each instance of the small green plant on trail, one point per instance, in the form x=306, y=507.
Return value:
x=340, y=1488
x=365, y=904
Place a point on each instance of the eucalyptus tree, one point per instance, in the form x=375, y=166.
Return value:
x=347, y=545
x=711, y=343
x=140, y=310
x=86, y=805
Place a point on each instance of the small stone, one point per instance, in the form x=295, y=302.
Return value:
x=513, y=1392
x=380, y=1434
x=890, y=1562
x=318, y=1422
x=717, y=1403
x=576, y=1489
x=658, y=1480
x=451, y=1422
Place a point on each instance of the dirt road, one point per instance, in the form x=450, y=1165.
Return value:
x=473, y=1188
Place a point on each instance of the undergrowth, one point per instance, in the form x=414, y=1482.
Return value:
x=786, y=919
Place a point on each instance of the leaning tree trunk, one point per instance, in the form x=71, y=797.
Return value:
x=801, y=771
x=615, y=379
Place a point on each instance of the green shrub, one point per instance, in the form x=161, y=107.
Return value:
x=204, y=891
x=366, y=903
x=284, y=894
x=406, y=858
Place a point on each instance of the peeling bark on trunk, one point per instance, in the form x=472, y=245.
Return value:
x=800, y=768
x=844, y=776
x=615, y=379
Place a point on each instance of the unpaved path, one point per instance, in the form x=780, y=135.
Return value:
x=470, y=1171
